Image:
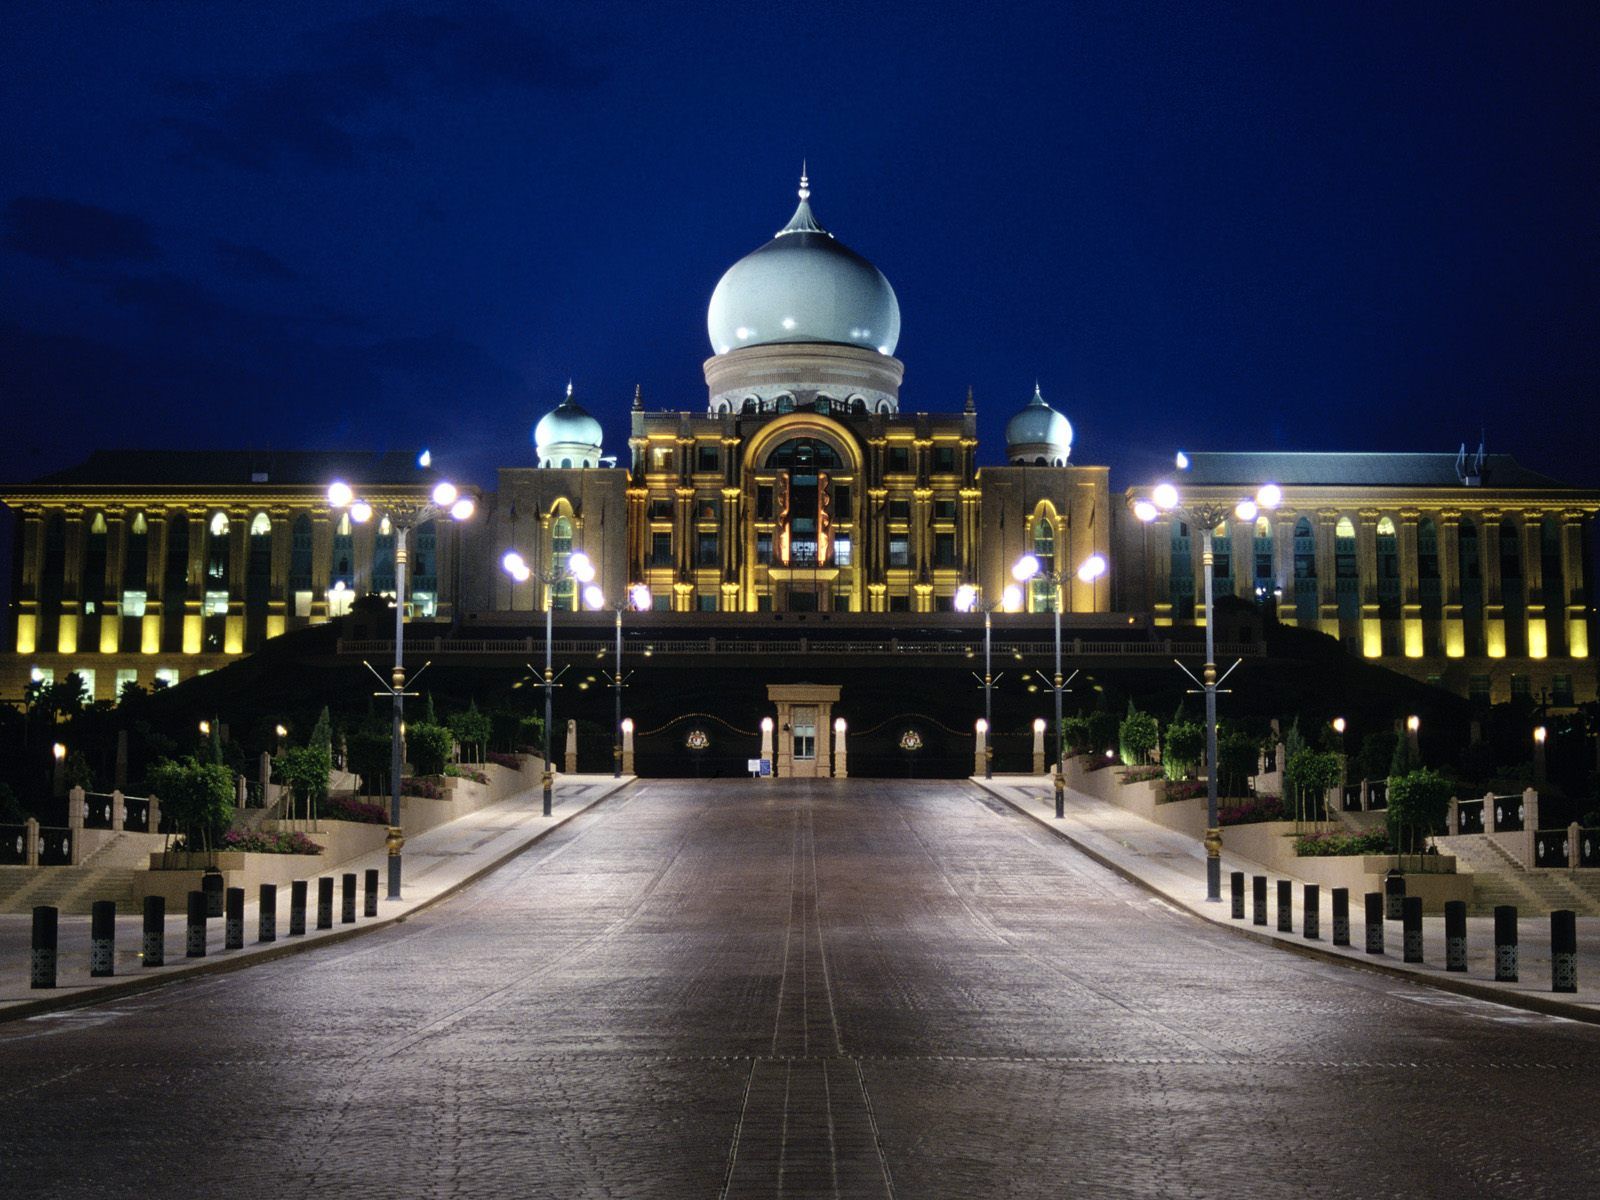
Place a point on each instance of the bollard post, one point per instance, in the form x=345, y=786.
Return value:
x=347, y=899
x=1394, y=894
x=1258, y=897
x=325, y=902
x=194, y=945
x=1311, y=922
x=371, y=907
x=233, y=927
x=103, y=938
x=267, y=918
x=1505, y=943
x=1341, y=916
x=155, y=931
x=297, y=908
x=1411, y=929
x=212, y=885
x=1236, y=882
x=1285, y=906
x=42, y=969
x=1563, y=951
x=1374, y=922
x=1455, y=935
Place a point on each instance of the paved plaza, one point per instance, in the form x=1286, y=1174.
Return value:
x=789, y=989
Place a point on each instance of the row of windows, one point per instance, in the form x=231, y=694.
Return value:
x=803, y=453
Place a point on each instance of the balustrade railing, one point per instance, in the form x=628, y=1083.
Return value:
x=1589, y=847
x=1508, y=814
x=745, y=647
x=1469, y=817
x=1550, y=848
x=55, y=847
x=13, y=845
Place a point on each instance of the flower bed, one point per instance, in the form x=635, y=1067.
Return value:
x=1182, y=789
x=1141, y=774
x=1253, y=811
x=1330, y=845
x=1099, y=762
x=509, y=761
x=257, y=842
x=456, y=772
x=428, y=787
x=347, y=808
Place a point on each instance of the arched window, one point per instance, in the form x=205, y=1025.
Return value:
x=564, y=594
x=786, y=403
x=1346, y=571
x=804, y=454
x=343, y=555
x=383, y=559
x=136, y=557
x=257, y=581
x=217, y=553
x=1305, y=572
x=751, y=404
x=1181, y=574
x=300, y=554
x=1042, y=591
x=1388, y=571
x=1265, y=584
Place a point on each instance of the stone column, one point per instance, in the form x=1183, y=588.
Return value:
x=1410, y=586
x=195, y=581
x=71, y=585
x=1367, y=580
x=980, y=745
x=321, y=563
x=1534, y=606
x=111, y=592
x=570, y=763
x=238, y=570
x=767, y=726
x=1283, y=565
x=1327, y=572
x=30, y=571
x=627, y=745
x=1039, y=726
x=1451, y=620
x=155, y=581
x=1157, y=544
x=1573, y=585
x=841, y=766
x=1494, y=608
x=278, y=598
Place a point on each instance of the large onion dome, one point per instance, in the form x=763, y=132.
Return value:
x=803, y=286
x=1038, y=435
x=567, y=436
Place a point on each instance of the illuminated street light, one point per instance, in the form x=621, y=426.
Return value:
x=966, y=599
x=1207, y=515
x=403, y=515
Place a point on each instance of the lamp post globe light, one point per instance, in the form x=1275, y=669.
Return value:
x=445, y=500
x=577, y=567
x=967, y=599
x=1029, y=569
x=1207, y=514
x=638, y=599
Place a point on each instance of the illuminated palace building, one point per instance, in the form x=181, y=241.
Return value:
x=801, y=487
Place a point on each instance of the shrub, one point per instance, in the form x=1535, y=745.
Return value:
x=367, y=755
x=1141, y=774
x=1237, y=757
x=258, y=842
x=1308, y=775
x=455, y=772
x=344, y=808
x=472, y=729
x=1075, y=733
x=505, y=760
x=428, y=747
x=1418, y=802
x=1184, y=749
x=1102, y=731
x=1252, y=812
x=428, y=789
x=1183, y=789
x=196, y=797
x=1329, y=845
x=1136, y=736
x=1377, y=750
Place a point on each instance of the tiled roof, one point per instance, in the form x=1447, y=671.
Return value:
x=200, y=467
x=1352, y=469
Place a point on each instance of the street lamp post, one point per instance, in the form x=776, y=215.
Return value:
x=403, y=517
x=638, y=599
x=966, y=599
x=1030, y=568
x=1208, y=514
x=576, y=567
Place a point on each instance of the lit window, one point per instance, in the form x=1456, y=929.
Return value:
x=424, y=604
x=126, y=678
x=261, y=526
x=215, y=605
x=302, y=604
x=167, y=676
x=219, y=524
x=133, y=603
x=899, y=550
x=841, y=550
x=339, y=601
x=44, y=675
x=87, y=675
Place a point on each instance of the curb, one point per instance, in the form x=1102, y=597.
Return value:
x=1531, y=1001
x=133, y=985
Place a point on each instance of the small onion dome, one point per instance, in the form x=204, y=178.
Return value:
x=803, y=286
x=567, y=436
x=1038, y=435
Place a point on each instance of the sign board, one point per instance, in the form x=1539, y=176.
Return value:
x=759, y=766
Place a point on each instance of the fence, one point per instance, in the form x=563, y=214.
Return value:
x=749, y=647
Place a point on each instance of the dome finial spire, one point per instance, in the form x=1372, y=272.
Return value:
x=805, y=182
x=569, y=387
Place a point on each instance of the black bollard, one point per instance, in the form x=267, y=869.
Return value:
x=1236, y=884
x=233, y=927
x=1341, y=916
x=1311, y=922
x=371, y=907
x=1394, y=895
x=1455, y=935
x=1374, y=922
x=267, y=919
x=42, y=969
x=297, y=908
x=1563, y=951
x=325, y=902
x=155, y=931
x=1258, y=896
x=1285, y=906
x=194, y=945
x=347, y=899
x=1505, y=943
x=103, y=938
x=212, y=884
x=1411, y=929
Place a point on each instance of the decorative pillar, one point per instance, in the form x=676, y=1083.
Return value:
x=1410, y=586
x=841, y=769
x=238, y=568
x=1451, y=620
x=1367, y=583
x=1533, y=600
x=1573, y=585
x=111, y=593
x=154, y=580
x=31, y=571
x=278, y=598
x=1158, y=554
x=570, y=763
x=1039, y=726
x=627, y=745
x=767, y=724
x=71, y=584
x=321, y=563
x=1327, y=572
x=1494, y=608
x=980, y=746
x=1283, y=566
x=195, y=581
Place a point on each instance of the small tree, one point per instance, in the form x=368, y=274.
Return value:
x=1075, y=734
x=305, y=769
x=1137, y=736
x=472, y=729
x=1404, y=760
x=1377, y=751
x=1308, y=775
x=428, y=747
x=1418, y=802
x=1237, y=757
x=196, y=796
x=1102, y=730
x=1185, y=747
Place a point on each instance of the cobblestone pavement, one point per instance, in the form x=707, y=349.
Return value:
x=861, y=989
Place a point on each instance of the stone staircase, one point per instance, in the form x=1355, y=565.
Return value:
x=1498, y=878
x=115, y=871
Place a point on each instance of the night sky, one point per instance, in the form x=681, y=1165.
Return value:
x=1296, y=226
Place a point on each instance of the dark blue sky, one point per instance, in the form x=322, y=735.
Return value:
x=1329, y=226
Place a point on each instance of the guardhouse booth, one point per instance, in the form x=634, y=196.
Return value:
x=804, y=728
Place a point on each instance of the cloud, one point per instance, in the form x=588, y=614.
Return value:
x=251, y=261
x=314, y=114
x=65, y=232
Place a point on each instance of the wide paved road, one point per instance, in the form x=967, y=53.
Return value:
x=859, y=990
